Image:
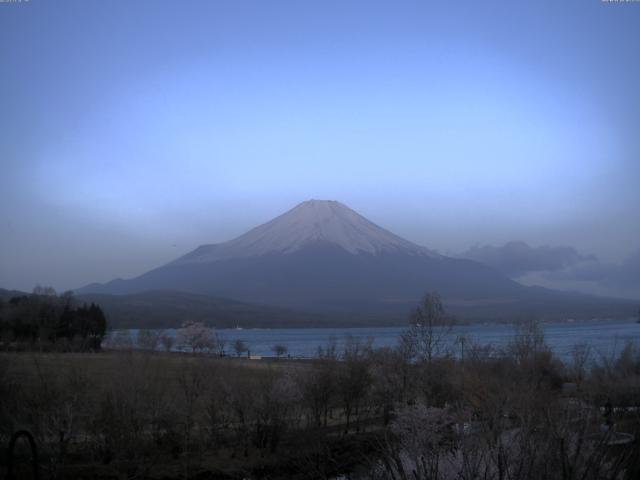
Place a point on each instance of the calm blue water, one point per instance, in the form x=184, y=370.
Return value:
x=606, y=337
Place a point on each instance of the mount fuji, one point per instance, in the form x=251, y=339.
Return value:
x=310, y=224
x=323, y=256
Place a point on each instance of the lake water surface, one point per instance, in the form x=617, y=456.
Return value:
x=606, y=337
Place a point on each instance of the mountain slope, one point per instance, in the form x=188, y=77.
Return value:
x=322, y=256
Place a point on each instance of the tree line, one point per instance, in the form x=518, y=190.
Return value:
x=192, y=337
x=45, y=320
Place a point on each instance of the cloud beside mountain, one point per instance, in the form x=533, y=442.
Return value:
x=554, y=265
x=517, y=258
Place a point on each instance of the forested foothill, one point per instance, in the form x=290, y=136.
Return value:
x=414, y=411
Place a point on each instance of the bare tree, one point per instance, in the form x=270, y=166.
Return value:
x=528, y=341
x=279, y=349
x=167, y=341
x=429, y=329
x=389, y=371
x=240, y=347
x=274, y=408
x=317, y=385
x=580, y=356
x=220, y=342
x=354, y=379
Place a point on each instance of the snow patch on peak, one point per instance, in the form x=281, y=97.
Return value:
x=311, y=223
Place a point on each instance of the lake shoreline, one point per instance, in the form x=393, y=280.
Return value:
x=604, y=336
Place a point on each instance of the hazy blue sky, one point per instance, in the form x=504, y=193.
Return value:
x=133, y=131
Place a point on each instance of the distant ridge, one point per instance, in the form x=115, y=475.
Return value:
x=169, y=309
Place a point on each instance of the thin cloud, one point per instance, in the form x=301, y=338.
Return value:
x=517, y=258
x=559, y=264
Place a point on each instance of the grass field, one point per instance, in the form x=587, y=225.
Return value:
x=101, y=415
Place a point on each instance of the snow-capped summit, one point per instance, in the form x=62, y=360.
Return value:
x=310, y=224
